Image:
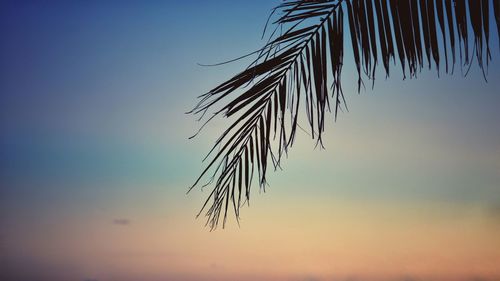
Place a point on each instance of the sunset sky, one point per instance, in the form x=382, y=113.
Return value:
x=95, y=159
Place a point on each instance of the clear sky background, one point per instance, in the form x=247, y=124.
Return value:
x=95, y=161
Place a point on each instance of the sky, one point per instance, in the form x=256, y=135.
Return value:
x=95, y=159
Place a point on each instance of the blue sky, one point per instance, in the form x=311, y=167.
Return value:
x=93, y=130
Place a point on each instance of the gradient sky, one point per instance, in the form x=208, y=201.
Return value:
x=95, y=161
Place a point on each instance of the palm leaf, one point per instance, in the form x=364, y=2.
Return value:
x=300, y=67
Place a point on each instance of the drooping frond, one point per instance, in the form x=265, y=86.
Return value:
x=300, y=67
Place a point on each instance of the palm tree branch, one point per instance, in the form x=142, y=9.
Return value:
x=302, y=66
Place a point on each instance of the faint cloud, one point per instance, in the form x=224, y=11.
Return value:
x=492, y=210
x=122, y=222
x=495, y=210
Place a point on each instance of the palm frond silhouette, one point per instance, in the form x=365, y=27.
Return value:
x=300, y=67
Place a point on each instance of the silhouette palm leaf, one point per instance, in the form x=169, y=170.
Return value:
x=299, y=69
